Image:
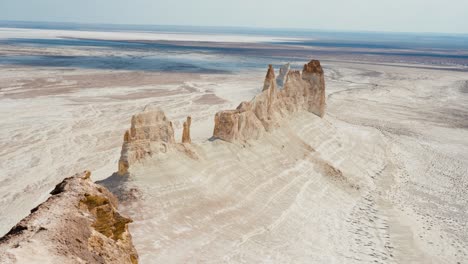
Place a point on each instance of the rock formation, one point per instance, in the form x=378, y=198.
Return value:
x=283, y=75
x=302, y=91
x=186, y=132
x=150, y=132
x=79, y=223
x=270, y=79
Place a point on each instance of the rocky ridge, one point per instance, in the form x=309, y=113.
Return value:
x=79, y=223
x=152, y=133
x=301, y=91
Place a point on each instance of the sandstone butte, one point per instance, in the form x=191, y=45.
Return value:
x=151, y=132
x=79, y=223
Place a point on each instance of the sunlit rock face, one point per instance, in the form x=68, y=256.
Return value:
x=186, y=132
x=79, y=223
x=301, y=91
x=150, y=132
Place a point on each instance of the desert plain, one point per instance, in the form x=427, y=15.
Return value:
x=395, y=131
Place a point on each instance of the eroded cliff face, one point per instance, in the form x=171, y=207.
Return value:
x=301, y=91
x=150, y=132
x=79, y=223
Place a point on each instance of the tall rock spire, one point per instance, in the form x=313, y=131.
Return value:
x=186, y=132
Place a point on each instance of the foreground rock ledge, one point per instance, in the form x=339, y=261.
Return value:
x=79, y=223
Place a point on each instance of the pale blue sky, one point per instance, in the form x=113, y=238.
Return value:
x=449, y=16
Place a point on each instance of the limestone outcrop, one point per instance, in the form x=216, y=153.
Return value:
x=186, y=132
x=301, y=91
x=283, y=75
x=150, y=132
x=79, y=223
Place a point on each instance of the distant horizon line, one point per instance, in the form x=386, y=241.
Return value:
x=231, y=27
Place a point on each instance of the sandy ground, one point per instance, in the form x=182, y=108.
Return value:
x=398, y=135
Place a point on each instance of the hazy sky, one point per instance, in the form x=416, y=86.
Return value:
x=450, y=16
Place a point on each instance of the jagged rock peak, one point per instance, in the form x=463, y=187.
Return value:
x=283, y=75
x=150, y=132
x=265, y=111
x=151, y=124
x=270, y=73
x=269, y=78
x=186, y=131
x=79, y=223
x=294, y=74
x=313, y=67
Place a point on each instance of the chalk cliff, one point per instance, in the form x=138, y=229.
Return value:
x=301, y=91
x=79, y=223
x=150, y=132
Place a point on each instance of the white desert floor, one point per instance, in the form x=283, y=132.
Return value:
x=135, y=35
x=397, y=135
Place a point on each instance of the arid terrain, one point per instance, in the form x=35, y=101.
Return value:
x=381, y=178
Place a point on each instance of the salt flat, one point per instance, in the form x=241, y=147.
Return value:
x=6, y=33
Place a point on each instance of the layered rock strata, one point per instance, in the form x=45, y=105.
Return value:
x=79, y=223
x=302, y=91
x=150, y=132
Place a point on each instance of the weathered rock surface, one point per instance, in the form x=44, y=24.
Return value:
x=301, y=91
x=150, y=132
x=186, y=132
x=79, y=223
x=283, y=75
